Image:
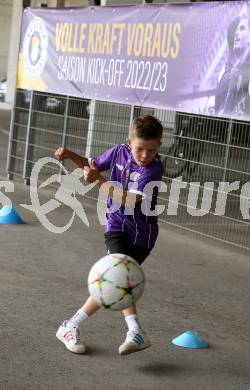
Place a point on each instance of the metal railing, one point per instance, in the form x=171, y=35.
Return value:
x=199, y=154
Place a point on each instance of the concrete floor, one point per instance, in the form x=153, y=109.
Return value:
x=192, y=284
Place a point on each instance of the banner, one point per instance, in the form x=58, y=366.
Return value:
x=191, y=57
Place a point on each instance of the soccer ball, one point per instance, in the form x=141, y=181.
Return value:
x=116, y=281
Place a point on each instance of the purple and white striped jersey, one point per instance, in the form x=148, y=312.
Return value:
x=142, y=229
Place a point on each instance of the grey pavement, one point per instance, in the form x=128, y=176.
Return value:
x=192, y=283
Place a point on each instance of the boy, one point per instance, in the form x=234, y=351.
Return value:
x=133, y=165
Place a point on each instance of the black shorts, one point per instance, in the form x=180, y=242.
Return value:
x=119, y=242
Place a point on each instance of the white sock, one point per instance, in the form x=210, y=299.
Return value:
x=132, y=322
x=77, y=318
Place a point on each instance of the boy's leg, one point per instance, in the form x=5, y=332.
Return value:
x=136, y=339
x=89, y=308
x=69, y=333
x=131, y=318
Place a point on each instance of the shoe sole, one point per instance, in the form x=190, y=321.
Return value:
x=129, y=351
x=61, y=338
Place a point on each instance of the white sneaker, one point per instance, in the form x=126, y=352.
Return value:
x=136, y=340
x=70, y=336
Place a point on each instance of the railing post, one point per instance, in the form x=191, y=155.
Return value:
x=229, y=136
x=65, y=125
x=92, y=108
x=25, y=163
x=9, y=151
x=131, y=118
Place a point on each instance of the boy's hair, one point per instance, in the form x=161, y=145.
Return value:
x=147, y=127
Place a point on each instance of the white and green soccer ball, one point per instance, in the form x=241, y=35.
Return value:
x=116, y=281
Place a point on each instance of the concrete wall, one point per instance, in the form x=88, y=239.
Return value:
x=5, y=25
x=37, y=3
x=13, y=49
x=60, y=3
x=131, y=2
x=76, y=3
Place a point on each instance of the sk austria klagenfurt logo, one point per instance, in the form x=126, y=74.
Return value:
x=35, y=48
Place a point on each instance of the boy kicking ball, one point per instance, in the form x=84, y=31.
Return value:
x=134, y=165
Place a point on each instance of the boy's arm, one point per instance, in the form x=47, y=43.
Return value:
x=63, y=154
x=90, y=175
x=117, y=193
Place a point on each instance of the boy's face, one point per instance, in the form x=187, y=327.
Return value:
x=143, y=150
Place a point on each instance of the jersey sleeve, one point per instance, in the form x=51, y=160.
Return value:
x=104, y=161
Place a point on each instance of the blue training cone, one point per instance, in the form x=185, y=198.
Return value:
x=8, y=215
x=190, y=339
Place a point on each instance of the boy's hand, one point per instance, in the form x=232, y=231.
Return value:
x=91, y=174
x=62, y=154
